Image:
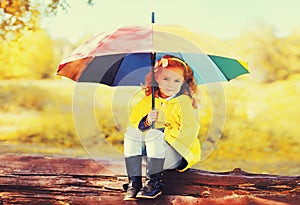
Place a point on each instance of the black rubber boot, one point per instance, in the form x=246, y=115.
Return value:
x=134, y=187
x=153, y=186
x=134, y=171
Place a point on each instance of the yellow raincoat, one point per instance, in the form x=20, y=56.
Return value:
x=180, y=122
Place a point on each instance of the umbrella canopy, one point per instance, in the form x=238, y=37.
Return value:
x=123, y=57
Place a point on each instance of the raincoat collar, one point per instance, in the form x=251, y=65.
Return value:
x=169, y=98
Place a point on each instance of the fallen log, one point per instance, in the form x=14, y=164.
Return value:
x=26, y=179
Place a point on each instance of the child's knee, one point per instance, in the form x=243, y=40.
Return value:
x=154, y=135
x=134, y=134
x=155, y=144
x=133, y=142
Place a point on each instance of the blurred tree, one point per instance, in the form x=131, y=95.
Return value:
x=271, y=58
x=23, y=39
x=19, y=15
x=30, y=56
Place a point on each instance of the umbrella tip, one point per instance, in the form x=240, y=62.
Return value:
x=153, y=17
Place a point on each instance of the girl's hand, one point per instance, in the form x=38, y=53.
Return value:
x=151, y=117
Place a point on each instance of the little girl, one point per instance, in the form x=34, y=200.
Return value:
x=173, y=143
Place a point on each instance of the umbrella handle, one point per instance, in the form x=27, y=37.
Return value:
x=153, y=17
x=153, y=56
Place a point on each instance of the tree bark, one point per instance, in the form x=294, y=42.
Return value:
x=28, y=179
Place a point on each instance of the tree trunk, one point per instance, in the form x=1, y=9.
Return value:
x=56, y=180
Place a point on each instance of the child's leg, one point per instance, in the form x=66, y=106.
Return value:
x=133, y=142
x=173, y=159
x=155, y=148
x=133, y=146
x=155, y=144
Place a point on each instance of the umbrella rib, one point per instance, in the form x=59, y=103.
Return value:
x=119, y=63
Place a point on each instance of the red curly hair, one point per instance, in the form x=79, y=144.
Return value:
x=189, y=86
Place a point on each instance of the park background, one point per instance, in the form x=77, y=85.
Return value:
x=261, y=130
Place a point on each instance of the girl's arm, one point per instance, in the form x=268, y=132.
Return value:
x=140, y=111
x=146, y=121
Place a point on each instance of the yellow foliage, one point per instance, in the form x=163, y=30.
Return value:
x=260, y=133
x=261, y=129
x=29, y=57
x=270, y=58
x=37, y=113
x=18, y=16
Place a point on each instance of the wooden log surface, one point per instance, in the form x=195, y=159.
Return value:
x=26, y=179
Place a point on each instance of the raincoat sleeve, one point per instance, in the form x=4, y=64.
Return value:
x=139, y=111
x=142, y=124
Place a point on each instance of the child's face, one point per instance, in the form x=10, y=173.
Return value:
x=170, y=81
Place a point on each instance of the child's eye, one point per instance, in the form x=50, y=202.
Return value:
x=177, y=81
x=165, y=78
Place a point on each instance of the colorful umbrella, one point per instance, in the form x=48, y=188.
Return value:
x=125, y=56
x=108, y=58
